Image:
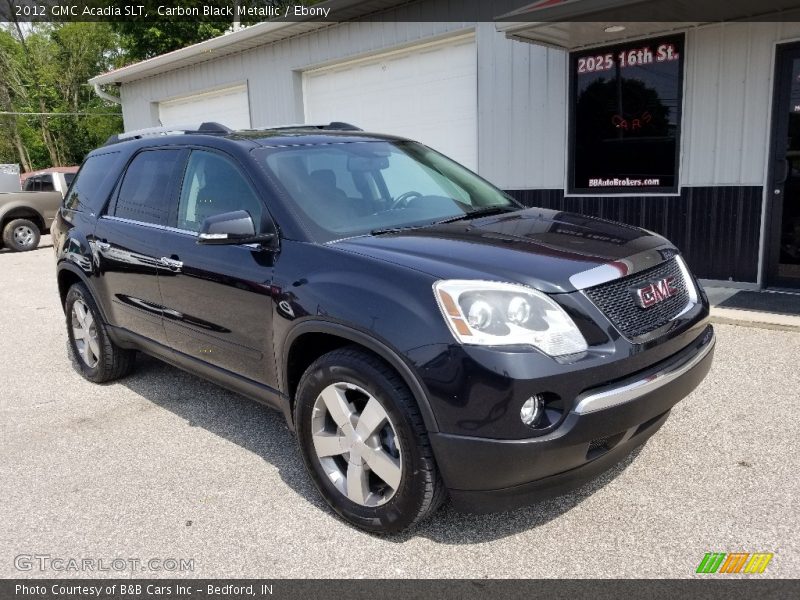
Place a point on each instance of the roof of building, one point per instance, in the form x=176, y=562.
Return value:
x=244, y=39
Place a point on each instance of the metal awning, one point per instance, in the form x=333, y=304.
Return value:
x=574, y=24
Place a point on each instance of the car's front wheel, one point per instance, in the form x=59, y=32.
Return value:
x=21, y=235
x=96, y=356
x=364, y=442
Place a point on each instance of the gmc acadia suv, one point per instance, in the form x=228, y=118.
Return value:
x=423, y=334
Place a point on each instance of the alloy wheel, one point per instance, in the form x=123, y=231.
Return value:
x=84, y=332
x=356, y=444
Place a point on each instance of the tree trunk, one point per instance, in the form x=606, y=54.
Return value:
x=24, y=157
x=52, y=149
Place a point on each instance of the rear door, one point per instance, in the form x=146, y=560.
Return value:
x=217, y=299
x=129, y=241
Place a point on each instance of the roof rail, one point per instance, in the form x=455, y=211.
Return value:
x=208, y=128
x=333, y=126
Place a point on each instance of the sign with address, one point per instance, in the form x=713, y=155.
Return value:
x=625, y=116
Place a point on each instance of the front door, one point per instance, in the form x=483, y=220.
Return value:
x=783, y=225
x=218, y=299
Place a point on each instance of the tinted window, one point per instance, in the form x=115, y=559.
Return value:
x=145, y=191
x=47, y=184
x=347, y=189
x=626, y=103
x=88, y=193
x=213, y=185
x=31, y=184
x=68, y=177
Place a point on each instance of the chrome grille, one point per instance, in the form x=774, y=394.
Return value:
x=616, y=300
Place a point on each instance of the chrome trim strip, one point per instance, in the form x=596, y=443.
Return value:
x=594, y=401
x=150, y=225
x=621, y=268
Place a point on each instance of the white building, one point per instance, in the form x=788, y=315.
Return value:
x=690, y=129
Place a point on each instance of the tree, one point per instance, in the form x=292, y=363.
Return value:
x=44, y=69
x=141, y=40
x=145, y=38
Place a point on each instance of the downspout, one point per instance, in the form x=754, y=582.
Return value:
x=107, y=97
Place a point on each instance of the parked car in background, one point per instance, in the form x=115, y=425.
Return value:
x=424, y=334
x=26, y=215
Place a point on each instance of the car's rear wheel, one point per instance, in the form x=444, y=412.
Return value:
x=96, y=356
x=21, y=235
x=364, y=442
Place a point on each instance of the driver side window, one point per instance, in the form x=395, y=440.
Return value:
x=213, y=185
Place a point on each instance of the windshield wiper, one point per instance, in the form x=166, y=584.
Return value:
x=479, y=212
x=484, y=211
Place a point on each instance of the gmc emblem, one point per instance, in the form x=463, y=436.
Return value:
x=655, y=292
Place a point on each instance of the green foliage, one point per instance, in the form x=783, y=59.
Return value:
x=45, y=69
x=144, y=39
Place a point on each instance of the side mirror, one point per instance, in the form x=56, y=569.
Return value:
x=231, y=228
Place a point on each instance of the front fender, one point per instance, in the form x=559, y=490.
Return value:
x=386, y=308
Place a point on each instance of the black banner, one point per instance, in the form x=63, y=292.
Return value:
x=208, y=589
x=256, y=11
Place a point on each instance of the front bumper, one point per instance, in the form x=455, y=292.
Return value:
x=606, y=423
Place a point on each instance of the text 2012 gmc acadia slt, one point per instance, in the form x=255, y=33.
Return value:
x=425, y=335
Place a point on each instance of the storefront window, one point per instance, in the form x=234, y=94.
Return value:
x=626, y=117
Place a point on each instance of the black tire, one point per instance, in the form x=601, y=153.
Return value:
x=112, y=362
x=21, y=235
x=421, y=490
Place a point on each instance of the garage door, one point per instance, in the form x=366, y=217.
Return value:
x=428, y=93
x=229, y=106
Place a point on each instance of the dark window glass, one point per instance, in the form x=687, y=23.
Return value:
x=626, y=107
x=88, y=193
x=212, y=185
x=68, y=177
x=349, y=189
x=47, y=184
x=145, y=191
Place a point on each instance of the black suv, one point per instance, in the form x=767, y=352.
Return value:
x=424, y=334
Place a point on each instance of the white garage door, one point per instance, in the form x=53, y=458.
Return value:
x=427, y=93
x=229, y=106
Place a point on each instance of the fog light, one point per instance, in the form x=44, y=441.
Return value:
x=531, y=412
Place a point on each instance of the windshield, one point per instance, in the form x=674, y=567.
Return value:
x=354, y=188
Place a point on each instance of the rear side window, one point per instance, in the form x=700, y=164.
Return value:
x=89, y=194
x=30, y=185
x=47, y=184
x=147, y=187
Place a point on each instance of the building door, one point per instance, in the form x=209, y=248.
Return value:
x=783, y=225
x=428, y=93
x=229, y=106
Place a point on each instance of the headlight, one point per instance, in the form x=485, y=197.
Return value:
x=489, y=313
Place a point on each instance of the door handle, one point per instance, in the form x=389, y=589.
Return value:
x=171, y=263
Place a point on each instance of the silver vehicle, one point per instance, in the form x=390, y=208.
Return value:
x=25, y=215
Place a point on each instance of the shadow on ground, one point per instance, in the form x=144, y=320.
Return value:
x=4, y=250
x=264, y=432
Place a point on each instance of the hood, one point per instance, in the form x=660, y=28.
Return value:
x=548, y=250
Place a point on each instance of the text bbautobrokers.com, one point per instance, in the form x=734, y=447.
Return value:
x=47, y=562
